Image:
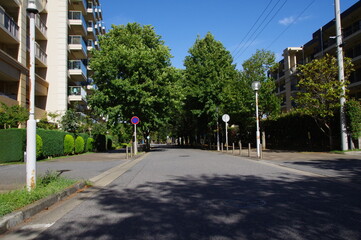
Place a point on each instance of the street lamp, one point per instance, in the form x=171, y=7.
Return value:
x=256, y=85
x=33, y=8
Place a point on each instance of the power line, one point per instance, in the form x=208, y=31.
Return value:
x=259, y=17
x=264, y=27
x=255, y=31
x=303, y=11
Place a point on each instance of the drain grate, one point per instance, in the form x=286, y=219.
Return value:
x=184, y=156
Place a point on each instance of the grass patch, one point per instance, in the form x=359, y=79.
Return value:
x=342, y=152
x=48, y=184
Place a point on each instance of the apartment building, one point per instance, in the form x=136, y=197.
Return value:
x=323, y=41
x=66, y=32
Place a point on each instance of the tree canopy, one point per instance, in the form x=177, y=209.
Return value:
x=209, y=72
x=134, y=77
x=321, y=90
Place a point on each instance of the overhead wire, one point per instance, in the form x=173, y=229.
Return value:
x=255, y=31
x=288, y=27
x=264, y=27
x=249, y=31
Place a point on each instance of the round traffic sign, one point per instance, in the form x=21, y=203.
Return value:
x=225, y=118
x=135, y=120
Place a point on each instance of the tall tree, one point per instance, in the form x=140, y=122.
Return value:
x=12, y=116
x=134, y=77
x=209, y=70
x=256, y=68
x=321, y=90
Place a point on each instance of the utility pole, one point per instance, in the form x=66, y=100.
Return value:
x=31, y=123
x=341, y=77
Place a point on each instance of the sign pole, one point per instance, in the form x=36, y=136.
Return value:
x=227, y=136
x=135, y=140
x=225, y=119
x=135, y=120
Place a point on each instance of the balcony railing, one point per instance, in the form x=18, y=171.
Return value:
x=40, y=24
x=40, y=53
x=90, y=44
x=77, y=65
x=77, y=40
x=77, y=15
x=9, y=24
x=77, y=91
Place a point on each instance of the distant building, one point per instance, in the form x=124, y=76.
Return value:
x=323, y=41
x=66, y=31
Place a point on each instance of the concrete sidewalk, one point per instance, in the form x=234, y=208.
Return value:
x=79, y=167
x=343, y=167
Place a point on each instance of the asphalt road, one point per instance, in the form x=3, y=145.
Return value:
x=194, y=194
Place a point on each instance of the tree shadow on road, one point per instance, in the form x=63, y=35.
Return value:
x=218, y=207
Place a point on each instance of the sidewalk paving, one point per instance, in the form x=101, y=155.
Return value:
x=343, y=167
x=79, y=167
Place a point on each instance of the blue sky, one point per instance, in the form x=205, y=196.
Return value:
x=284, y=23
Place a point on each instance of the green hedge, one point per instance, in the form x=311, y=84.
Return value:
x=90, y=144
x=12, y=145
x=68, y=144
x=79, y=144
x=39, y=147
x=53, y=142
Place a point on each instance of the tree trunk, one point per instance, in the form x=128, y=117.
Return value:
x=330, y=138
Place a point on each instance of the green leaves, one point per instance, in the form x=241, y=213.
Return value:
x=12, y=116
x=320, y=88
x=353, y=116
x=134, y=77
x=209, y=72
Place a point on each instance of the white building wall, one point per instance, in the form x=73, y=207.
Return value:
x=57, y=50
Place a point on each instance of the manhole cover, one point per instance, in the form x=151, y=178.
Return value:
x=184, y=156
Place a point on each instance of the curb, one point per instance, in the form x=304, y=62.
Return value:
x=12, y=219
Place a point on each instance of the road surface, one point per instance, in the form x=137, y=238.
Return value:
x=194, y=194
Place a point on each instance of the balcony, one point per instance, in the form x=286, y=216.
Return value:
x=40, y=56
x=91, y=12
x=77, y=94
x=90, y=45
x=91, y=30
x=41, y=28
x=9, y=30
x=99, y=13
x=78, y=47
x=79, y=5
x=77, y=70
x=10, y=3
x=77, y=23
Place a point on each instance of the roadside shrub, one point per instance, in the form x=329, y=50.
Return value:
x=39, y=147
x=53, y=142
x=100, y=143
x=12, y=145
x=109, y=143
x=90, y=144
x=68, y=144
x=85, y=136
x=79, y=145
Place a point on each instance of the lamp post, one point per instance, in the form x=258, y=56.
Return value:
x=33, y=8
x=256, y=85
